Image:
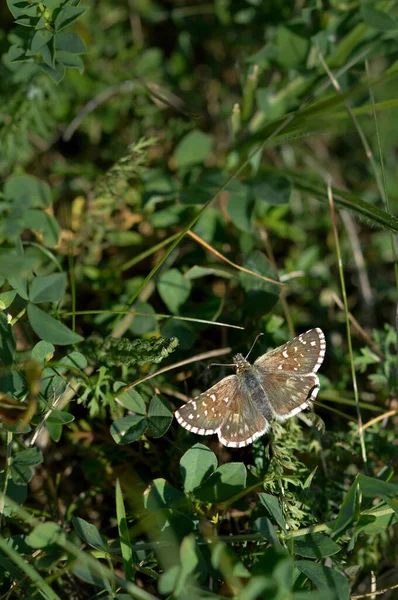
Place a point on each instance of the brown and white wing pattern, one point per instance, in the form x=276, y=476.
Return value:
x=243, y=423
x=288, y=373
x=224, y=409
x=301, y=355
x=205, y=413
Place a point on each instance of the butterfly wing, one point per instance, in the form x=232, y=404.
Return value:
x=227, y=410
x=303, y=354
x=243, y=423
x=288, y=393
x=288, y=373
x=205, y=413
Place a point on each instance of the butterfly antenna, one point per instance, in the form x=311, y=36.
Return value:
x=253, y=344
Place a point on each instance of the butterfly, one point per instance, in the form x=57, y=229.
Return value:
x=240, y=408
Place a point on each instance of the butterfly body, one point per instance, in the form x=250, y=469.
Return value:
x=241, y=407
x=250, y=383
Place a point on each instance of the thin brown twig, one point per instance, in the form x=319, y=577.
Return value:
x=271, y=257
x=174, y=393
x=376, y=593
x=201, y=241
x=390, y=413
x=181, y=363
x=363, y=276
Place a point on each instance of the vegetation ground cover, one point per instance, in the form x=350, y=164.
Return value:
x=177, y=178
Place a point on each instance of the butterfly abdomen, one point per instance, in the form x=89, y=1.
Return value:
x=255, y=392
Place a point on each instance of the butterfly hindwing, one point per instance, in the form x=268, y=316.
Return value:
x=243, y=423
x=288, y=393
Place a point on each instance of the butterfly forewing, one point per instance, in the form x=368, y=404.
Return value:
x=303, y=354
x=205, y=413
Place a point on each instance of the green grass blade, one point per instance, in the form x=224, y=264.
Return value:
x=344, y=199
x=44, y=589
x=124, y=536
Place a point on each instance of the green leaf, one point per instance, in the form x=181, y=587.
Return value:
x=14, y=266
x=31, y=457
x=193, y=149
x=40, y=37
x=89, y=534
x=174, y=289
x=372, y=487
x=74, y=360
x=197, y=272
x=348, y=510
x=261, y=295
x=50, y=330
x=392, y=503
x=257, y=587
x=21, y=9
x=196, y=465
x=44, y=224
x=324, y=595
x=92, y=577
x=128, y=429
x=226, y=561
x=273, y=189
x=240, y=206
x=29, y=190
x=60, y=417
x=72, y=61
x=273, y=506
x=142, y=324
x=57, y=73
x=70, y=42
x=315, y=545
x=66, y=16
x=124, y=535
x=168, y=580
x=325, y=578
x=266, y=530
x=48, y=54
x=292, y=48
x=159, y=416
x=55, y=431
x=376, y=18
x=45, y=534
x=227, y=481
x=163, y=495
x=42, y=352
x=7, y=342
x=47, y=288
x=180, y=330
x=189, y=561
x=7, y=298
x=133, y=401
x=15, y=54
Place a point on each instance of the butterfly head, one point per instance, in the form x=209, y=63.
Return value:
x=241, y=363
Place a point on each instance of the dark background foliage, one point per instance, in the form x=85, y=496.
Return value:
x=161, y=162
